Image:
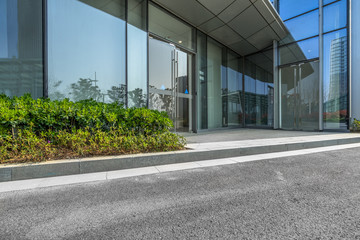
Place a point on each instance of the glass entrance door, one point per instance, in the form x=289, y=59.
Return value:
x=299, y=89
x=170, y=82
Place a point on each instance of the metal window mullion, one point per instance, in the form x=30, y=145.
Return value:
x=321, y=66
x=276, y=109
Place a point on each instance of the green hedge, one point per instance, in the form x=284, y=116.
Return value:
x=41, y=129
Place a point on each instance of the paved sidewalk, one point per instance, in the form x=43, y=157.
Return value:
x=110, y=175
x=240, y=134
x=208, y=143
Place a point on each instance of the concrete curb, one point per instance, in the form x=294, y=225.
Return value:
x=104, y=164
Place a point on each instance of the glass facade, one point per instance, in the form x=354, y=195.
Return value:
x=86, y=50
x=234, y=90
x=137, y=66
x=21, y=47
x=136, y=53
x=170, y=28
x=259, y=89
x=302, y=46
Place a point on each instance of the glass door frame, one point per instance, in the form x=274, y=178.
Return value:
x=191, y=78
x=297, y=94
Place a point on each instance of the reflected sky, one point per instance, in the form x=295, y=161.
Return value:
x=82, y=41
x=292, y=8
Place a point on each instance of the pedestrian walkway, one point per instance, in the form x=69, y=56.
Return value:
x=230, y=144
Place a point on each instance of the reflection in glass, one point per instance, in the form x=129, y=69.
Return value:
x=303, y=50
x=137, y=13
x=169, y=82
x=86, y=50
x=234, y=95
x=335, y=16
x=299, y=91
x=292, y=8
x=259, y=90
x=250, y=93
x=170, y=28
x=21, y=61
x=137, y=67
x=297, y=29
x=335, y=80
x=215, y=89
x=161, y=82
x=201, y=80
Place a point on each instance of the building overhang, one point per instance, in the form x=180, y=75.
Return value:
x=245, y=26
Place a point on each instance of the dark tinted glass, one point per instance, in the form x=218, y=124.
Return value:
x=21, y=61
x=292, y=8
x=335, y=16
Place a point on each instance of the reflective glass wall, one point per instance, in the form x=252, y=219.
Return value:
x=303, y=46
x=137, y=54
x=86, y=50
x=335, y=65
x=21, y=47
x=220, y=96
x=259, y=89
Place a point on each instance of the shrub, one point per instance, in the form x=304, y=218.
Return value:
x=355, y=125
x=41, y=129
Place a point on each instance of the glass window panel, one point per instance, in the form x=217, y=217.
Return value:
x=299, y=91
x=250, y=93
x=202, y=80
x=259, y=89
x=307, y=49
x=137, y=67
x=137, y=13
x=335, y=16
x=335, y=80
x=328, y=1
x=214, y=85
x=170, y=28
x=86, y=51
x=298, y=32
x=21, y=61
x=234, y=94
x=292, y=8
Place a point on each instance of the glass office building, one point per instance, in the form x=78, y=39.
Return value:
x=210, y=64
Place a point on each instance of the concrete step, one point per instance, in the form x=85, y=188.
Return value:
x=194, y=152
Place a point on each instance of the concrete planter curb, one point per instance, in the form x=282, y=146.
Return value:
x=14, y=172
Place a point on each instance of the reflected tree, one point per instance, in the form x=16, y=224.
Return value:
x=137, y=98
x=117, y=94
x=84, y=89
x=54, y=93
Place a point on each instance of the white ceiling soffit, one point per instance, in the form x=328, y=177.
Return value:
x=245, y=26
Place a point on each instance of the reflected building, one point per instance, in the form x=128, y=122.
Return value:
x=337, y=96
x=21, y=61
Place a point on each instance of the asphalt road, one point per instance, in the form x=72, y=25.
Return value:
x=305, y=197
